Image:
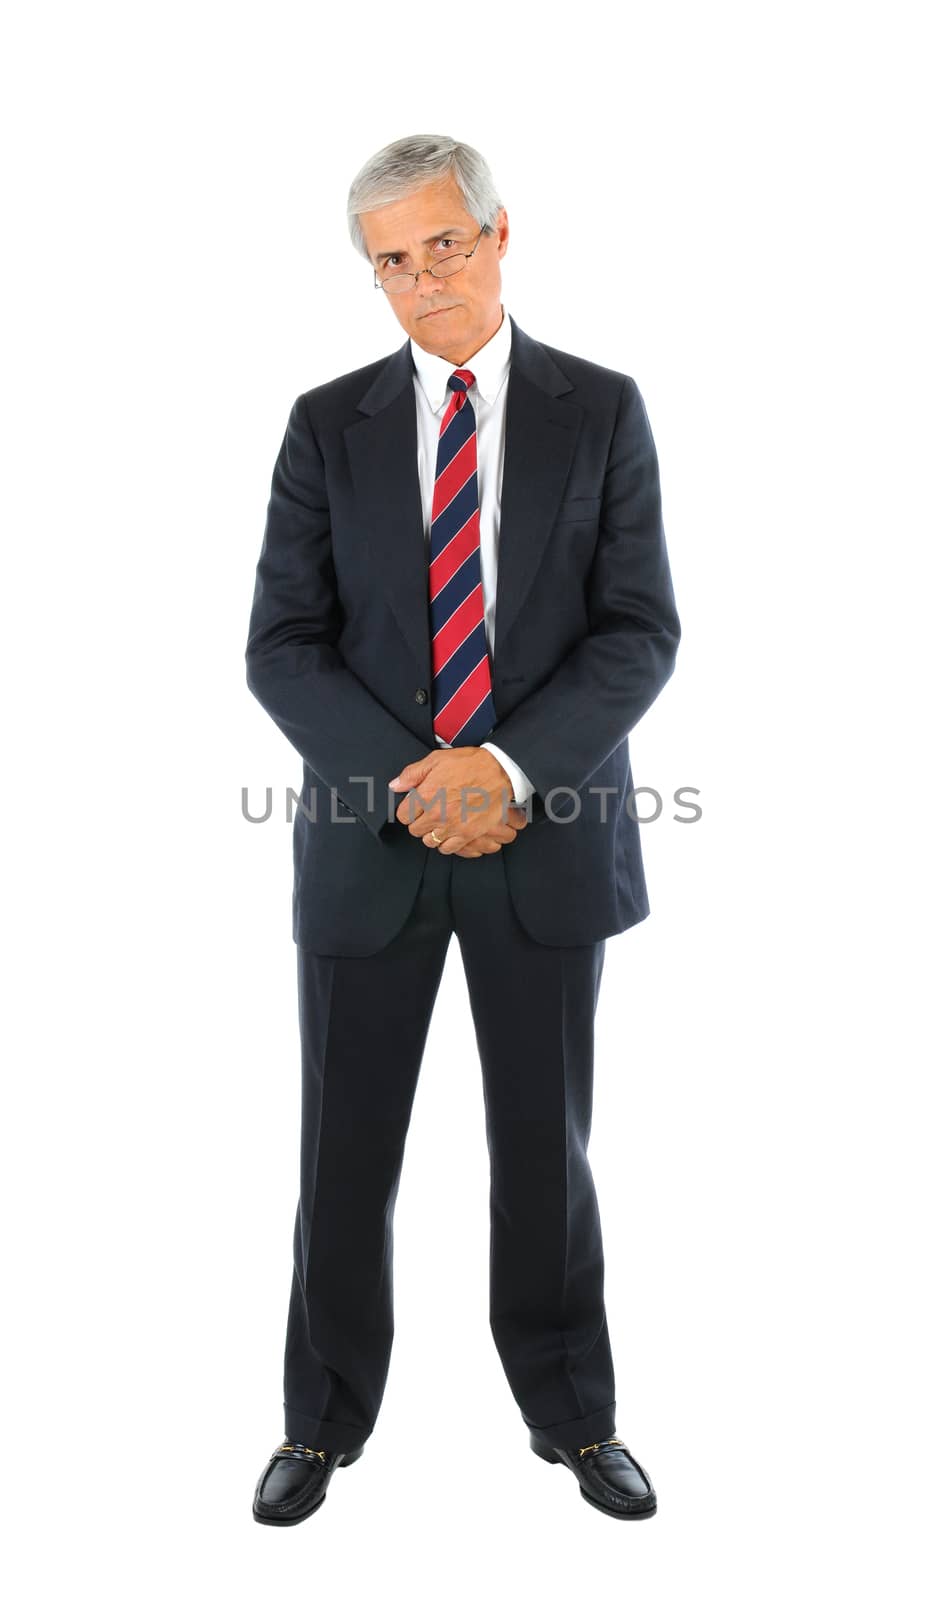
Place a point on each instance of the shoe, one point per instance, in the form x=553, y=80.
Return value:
x=610, y=1477
x=295, y=1479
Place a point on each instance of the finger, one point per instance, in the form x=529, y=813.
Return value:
x=429, y=817
x=409, y=808
x=500, y=831
x=484, y=846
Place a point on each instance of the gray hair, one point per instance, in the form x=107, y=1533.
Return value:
x=408, y=164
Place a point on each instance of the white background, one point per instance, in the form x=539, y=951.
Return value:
x=728, y=202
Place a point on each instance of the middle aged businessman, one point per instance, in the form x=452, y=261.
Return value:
x=475, y=483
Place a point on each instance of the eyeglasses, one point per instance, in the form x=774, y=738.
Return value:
x=445, y=267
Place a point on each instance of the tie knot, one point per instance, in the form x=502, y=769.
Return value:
x=461, y=380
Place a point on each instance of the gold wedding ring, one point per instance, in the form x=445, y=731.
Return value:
x=435, y=837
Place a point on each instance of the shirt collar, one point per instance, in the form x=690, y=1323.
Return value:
x=489, y=365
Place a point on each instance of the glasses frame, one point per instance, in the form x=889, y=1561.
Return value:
x=415, y=276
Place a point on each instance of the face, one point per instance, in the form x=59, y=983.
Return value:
x=450, y=317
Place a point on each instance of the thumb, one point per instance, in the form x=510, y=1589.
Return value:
x=413, y=773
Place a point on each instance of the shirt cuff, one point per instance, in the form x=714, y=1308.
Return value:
x=522, y=788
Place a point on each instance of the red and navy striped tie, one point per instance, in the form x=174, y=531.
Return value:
x=462, y=701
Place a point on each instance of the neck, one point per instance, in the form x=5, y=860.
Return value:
x=462, y=361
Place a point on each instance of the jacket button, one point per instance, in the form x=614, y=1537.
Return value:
x=421, y=697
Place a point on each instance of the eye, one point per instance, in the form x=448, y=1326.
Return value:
x=390, y=259
x=443, y=242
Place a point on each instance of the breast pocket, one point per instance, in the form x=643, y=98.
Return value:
x=578, y=508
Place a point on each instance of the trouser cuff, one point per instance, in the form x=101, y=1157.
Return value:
x=577, y=1431
x=322, y=1434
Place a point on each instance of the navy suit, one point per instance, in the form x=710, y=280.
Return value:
x=339, y=650
x=339, y=655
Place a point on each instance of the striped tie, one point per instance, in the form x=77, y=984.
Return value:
x=462, y=699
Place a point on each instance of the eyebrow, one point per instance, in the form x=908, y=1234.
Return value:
x=446, y=233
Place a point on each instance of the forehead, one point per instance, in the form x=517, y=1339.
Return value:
x=425, y=213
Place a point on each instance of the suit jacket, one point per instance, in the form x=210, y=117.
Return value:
x=339, y=650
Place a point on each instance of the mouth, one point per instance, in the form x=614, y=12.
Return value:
x=439, y=313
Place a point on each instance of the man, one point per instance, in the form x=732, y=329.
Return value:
x=463, y=605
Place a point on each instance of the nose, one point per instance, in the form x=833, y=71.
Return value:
x=428, y=287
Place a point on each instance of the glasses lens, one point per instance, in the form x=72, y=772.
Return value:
x=397, y=282
x=448, y=265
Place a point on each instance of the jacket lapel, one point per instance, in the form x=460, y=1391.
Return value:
x=541, y=434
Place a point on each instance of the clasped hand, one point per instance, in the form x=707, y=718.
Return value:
x=464, y=794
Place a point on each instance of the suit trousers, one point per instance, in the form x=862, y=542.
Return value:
x=363, y=1027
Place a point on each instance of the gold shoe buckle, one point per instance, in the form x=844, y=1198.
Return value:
x=299, y=1450
x=586, y=1447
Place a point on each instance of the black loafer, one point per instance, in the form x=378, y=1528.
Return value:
x=611, y=1478
x=294, y=1481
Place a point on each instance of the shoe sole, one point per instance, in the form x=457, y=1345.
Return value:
x=291, y=1522
x=546, y=1453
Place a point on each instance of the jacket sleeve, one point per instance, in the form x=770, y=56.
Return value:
x=564, y=730
x=293, y=666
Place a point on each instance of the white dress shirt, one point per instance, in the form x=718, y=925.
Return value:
x=491, y=368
